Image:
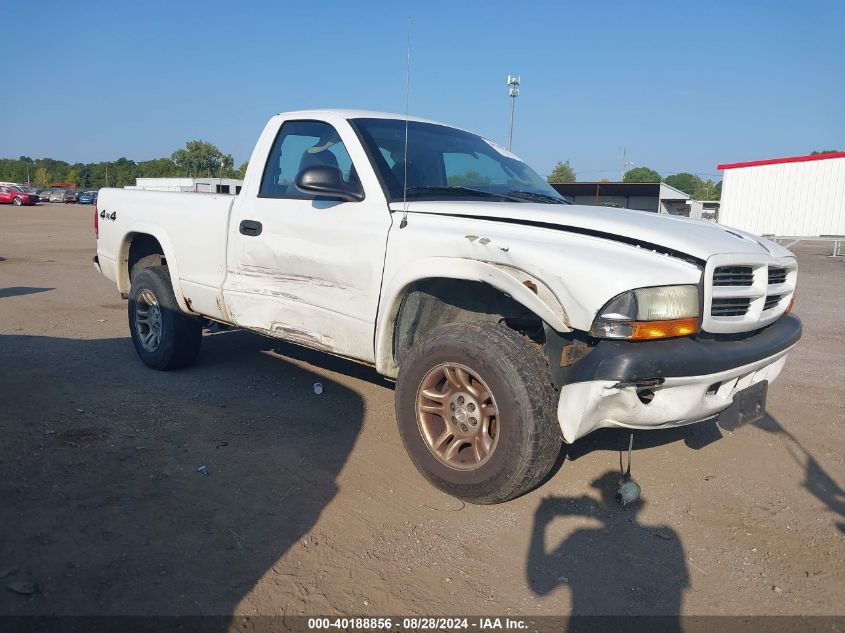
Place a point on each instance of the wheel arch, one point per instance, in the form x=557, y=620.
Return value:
x=141, y=240
x=441, y=279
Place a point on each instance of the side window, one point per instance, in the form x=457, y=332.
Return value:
x=302, y=144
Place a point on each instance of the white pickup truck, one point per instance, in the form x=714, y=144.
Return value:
x=509, y=319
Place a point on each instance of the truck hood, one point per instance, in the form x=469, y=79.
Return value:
x=678, y=236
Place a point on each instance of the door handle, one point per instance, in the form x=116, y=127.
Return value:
x=250, y=227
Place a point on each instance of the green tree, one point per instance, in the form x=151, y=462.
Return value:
x=686, y=182
x=641, y=174
x=708, y=190
x=824, y=151
x=203, y=158
x=241, y=173
x=42, y=177
x=122, y=172
x=157, y=168
x=562, y=172
x=84, y=178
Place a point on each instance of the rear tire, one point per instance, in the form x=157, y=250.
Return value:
x=489, y=388
x=164, y=337
x=148, y=261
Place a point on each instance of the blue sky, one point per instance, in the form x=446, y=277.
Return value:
x=682, y=85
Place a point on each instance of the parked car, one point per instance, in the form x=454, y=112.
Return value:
x=71, y=196
x=44, y=195
x=57, y=195
x=13, y=194
x=509, y=319
x=87, y=197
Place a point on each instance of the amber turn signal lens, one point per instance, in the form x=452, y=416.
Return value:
x=790, y=306
x=645, y=330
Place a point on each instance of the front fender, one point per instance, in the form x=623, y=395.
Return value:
x=507, y=279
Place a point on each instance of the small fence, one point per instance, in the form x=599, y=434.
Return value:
x=788, y=241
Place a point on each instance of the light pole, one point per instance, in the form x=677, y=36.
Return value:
x=625, y=163
x=513, y=93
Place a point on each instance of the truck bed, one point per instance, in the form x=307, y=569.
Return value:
x=191, y=228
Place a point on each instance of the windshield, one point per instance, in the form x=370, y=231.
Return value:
x=446, y=163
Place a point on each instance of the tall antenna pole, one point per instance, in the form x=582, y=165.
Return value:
x=404, y=221
x=513, y=93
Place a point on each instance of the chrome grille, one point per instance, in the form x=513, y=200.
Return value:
x=730, y=306
x=777, y=276
x=743, y=293
x=772, y=301
x=733, y=276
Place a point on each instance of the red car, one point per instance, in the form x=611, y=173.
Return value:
x=12, y=194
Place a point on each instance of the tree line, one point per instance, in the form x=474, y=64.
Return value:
x=197, y=158
x=690, y=184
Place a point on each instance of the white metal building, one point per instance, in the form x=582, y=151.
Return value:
x=207, y=185
x=801, y=196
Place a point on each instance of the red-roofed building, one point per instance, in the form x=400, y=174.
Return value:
x=801, y=196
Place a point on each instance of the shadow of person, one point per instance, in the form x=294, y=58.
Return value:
x=613, y=565
x=817, y=481
x=104, y=505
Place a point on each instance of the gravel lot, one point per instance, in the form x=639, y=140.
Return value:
x=312, y=507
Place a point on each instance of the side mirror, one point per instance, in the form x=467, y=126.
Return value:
x=327, y=181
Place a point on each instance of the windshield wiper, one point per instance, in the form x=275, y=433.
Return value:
x=534, y=195
x=464, y=191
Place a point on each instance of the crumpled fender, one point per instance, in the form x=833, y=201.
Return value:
x=508, y=279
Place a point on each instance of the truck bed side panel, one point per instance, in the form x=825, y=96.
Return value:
x=191, y=228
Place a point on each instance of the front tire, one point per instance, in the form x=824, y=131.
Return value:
x=164, y=337
x=17, y=202
x=476, y=412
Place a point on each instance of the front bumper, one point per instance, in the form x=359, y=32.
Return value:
x=691, y=379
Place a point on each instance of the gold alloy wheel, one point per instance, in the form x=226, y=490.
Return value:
x=457, y=416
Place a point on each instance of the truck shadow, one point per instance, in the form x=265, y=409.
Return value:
x=312, y=357
x=695, y=436
x=104, y=500
x=613, y=565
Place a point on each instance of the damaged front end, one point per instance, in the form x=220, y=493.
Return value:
x=659, y=384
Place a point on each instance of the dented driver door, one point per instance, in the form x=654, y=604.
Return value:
x=301, y=268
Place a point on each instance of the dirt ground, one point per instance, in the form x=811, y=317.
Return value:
x=312, y=507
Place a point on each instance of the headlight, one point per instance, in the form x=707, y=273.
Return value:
x=649, y=313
